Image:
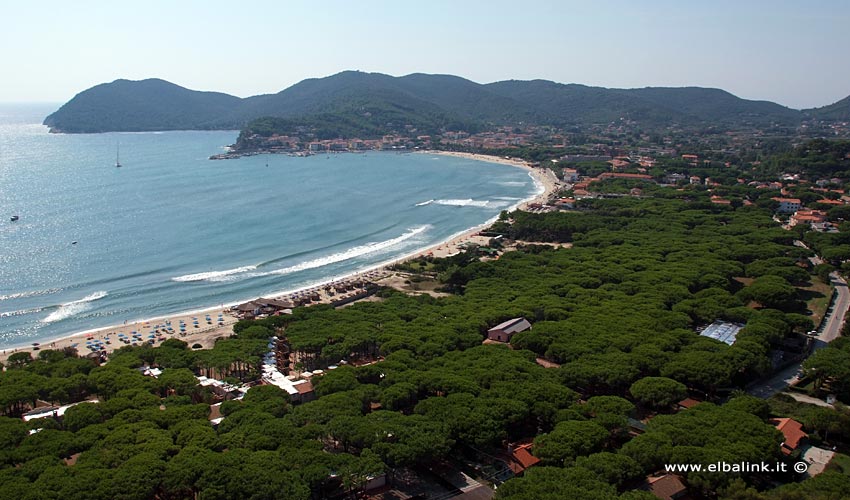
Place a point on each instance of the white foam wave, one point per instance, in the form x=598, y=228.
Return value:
x=512, y=183
x=214, y=275
x=21, y=312
x=72, y=308
x=425, y=203
x=507, y=198
x=351, y=253
x=34, y=293
x=469, y=202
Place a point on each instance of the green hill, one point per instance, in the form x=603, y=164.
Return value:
x=372, y=103
x=839, y=111
x=145, y=105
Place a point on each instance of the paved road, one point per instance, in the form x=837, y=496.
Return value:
x=832, y=326
x=808, y=399
x=831, y=330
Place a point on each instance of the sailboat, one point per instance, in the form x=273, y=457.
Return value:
x=117, y=161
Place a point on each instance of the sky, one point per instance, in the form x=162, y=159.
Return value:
x=791, y=52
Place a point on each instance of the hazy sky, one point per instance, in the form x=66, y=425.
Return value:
x=792, y=52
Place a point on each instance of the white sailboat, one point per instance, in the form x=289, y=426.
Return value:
x=117, y=161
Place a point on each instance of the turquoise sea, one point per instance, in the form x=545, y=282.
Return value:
x=172, y=231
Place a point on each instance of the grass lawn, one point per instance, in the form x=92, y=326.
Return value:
x=839, y=463
x=817, y=297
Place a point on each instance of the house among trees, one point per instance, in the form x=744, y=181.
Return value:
x=504, y=331
x=788, y=205
x=519, y=458
x=666, y=487
x=808, y=217
x=793, y=433
x=687, y=404
x=52, y=411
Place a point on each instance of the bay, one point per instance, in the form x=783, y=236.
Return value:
x=172, y=231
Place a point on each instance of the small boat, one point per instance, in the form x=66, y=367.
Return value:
x=117, y=161
x=15, y=218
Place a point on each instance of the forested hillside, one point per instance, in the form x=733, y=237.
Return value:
x=375, y=104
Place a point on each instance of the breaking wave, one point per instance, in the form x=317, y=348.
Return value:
x=213, y=275
x=351, y=253
x=21, y=312
x=469, y=202
x=73, y=308
x=33, y=293
x=501, y=202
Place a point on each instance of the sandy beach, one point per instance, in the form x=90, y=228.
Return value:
x=204, y=326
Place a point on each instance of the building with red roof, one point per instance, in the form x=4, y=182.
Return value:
x=788, y=205
x=687, y=403
x=793, y=433
x=519, y=458
x=666, y=487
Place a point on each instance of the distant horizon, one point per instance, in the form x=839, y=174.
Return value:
x=61, y=102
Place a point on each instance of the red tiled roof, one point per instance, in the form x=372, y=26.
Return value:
x=666, y=487
x=792, y=431
x=525, y=458
x=520, y=458
x=689, y=402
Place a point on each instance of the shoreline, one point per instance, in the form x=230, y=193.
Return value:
x=207, y=332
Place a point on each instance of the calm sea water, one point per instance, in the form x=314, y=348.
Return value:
x=172, y=231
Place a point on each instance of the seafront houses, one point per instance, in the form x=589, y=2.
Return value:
x=570, y=175
x=568, y=203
